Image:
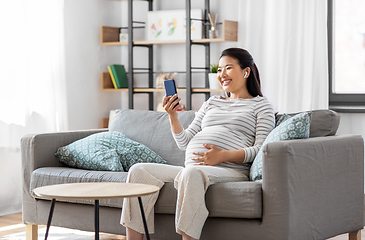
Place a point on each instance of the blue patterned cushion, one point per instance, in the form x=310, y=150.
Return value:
x=282, y=119
x=108, y=151
x=295, y=127
x=133, y=152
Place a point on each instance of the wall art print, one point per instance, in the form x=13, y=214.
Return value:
x=171, y=25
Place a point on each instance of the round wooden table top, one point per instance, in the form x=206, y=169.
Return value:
x=95, y=190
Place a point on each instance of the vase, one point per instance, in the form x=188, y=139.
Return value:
x=213, y=33
x=213, y=81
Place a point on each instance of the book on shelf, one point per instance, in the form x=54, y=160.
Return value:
x=118, y=76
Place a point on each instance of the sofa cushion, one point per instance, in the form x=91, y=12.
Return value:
x=107, y=151
x=95, y=152
x=133, y=152
x=235, y=199
x=324, y=122
x=59, y=175
x=153, y=131
x=282, y=119
x=232, y=199
x=296, y=127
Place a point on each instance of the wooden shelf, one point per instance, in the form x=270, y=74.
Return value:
x=110, y=36
x=107, y=86
x=205, y=90
x=147, y=90
x=104, y=122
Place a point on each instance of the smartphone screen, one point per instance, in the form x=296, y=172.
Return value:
x=170, y=87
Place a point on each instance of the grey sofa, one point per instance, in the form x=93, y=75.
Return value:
x=311, y=188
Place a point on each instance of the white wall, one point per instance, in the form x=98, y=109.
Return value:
x=86, y=59
x=352, y=123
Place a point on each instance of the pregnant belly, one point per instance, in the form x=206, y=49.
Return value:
x=223, y=140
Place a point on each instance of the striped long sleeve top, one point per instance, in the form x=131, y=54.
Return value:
x=230, y=125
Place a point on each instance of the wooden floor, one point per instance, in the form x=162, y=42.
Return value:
x=12, y=224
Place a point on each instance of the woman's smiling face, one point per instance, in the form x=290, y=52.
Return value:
x=231, y=76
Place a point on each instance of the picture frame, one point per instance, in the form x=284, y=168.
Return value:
x=170, y=25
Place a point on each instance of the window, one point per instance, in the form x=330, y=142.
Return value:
x=346, y=44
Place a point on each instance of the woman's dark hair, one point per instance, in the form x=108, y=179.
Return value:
x=245, y=60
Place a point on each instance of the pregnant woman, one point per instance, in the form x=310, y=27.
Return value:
x=220, y=144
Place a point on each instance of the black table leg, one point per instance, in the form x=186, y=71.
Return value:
x=144, y=219
x=50, y=218
x=96, y=219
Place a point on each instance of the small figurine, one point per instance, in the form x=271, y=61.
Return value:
x=164, y=76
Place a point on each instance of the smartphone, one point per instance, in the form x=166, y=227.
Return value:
x=170, y=88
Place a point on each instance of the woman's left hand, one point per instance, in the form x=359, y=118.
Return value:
x=212, y=157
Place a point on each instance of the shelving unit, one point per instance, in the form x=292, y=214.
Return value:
x=107, y=86
x=109, y=36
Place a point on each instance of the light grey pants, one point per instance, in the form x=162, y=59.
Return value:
x=191, y=183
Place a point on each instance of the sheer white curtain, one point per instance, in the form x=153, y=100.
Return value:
x=288, y=40
x=32, y=86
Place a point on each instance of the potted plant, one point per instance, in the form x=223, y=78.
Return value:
x=213, y=81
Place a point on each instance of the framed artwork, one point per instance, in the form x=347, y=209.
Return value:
x=171, y=25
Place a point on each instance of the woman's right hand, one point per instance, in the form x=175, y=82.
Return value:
x=171, y=104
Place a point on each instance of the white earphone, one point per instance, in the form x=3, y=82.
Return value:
x=245, y=75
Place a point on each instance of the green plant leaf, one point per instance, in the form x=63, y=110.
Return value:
x=214, y=68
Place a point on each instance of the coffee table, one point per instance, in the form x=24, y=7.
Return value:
x=95, y=191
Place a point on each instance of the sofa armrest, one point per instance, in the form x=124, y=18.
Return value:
x=38, y=150
x=316, y=184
